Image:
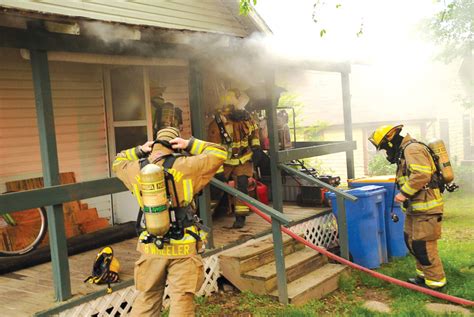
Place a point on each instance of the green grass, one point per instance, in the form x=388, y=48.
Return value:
x=456, y=249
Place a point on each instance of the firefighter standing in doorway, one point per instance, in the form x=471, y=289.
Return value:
x=234, y=128
x=420, y=198
x=175, y=262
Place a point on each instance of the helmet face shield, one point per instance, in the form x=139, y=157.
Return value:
x=371, y=139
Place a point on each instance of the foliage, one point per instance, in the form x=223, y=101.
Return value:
x=465, y=101
x=291, y=100
x=303, y=133
x=379, y=165
x=308, y=133
x=453, y=27
x=464, y=177
x=246, y=6
x=319, y=7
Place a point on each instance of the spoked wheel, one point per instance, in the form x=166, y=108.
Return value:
x=22, y=231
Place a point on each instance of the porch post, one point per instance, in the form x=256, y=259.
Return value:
x=346, y=105
x=198, y=124
x=277, y=199
x=49, y=159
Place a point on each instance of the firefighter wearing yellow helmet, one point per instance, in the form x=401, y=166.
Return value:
x=171, y=243
x=234, y=128
x=420, y=197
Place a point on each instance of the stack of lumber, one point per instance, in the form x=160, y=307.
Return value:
x=78, y=217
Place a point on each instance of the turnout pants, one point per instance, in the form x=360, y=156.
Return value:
x=240, y=174
x=421, y=236
x=184, y=276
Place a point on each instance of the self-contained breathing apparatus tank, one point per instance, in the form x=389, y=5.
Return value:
x=164, y=221
x=444, y=165
x=155, y=200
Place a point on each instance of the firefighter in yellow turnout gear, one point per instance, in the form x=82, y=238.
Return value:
x=177, y=262
x=234, y=128
x=420, y=198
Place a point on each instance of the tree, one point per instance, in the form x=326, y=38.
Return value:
x=453, y=28
x=246, y=6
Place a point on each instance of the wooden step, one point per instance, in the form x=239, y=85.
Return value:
x=314, y=285
x=256, y=253
x=263, y=280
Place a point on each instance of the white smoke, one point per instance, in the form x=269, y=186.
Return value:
x=110, y=32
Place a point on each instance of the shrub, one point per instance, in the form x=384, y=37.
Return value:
x=464, y=177
x=379, y=165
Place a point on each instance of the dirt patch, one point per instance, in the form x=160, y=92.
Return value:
x=234, y=303
x=379, y=295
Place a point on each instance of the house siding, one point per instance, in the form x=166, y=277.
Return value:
x=78, y=103
x=207, y=15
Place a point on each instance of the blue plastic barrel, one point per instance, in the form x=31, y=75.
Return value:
x=365, y=225
x=396, y=246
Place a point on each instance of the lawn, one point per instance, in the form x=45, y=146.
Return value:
x=456, y=249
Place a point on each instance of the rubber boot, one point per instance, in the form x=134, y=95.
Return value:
x=418, y=280
x=421, y=282
x=239, y=222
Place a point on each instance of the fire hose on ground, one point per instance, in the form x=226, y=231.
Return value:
x=453, y=299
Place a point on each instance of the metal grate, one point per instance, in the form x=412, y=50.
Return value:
x=321, y=231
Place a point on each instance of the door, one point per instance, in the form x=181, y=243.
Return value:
x=129, y=124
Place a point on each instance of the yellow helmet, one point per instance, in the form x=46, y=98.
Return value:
x=384, y=134
x=234, y=97
x=105, y=269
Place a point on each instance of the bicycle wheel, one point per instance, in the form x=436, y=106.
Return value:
x=22, y=231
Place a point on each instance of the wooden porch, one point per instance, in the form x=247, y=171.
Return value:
x=34, y=285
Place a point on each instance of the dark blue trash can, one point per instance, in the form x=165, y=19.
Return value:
x=396, y=246
x=365, y=225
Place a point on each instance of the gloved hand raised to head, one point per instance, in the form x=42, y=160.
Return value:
x=176, y=143
x=179, y=143
x=147, y=147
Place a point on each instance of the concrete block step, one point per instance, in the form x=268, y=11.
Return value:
x=314, y=285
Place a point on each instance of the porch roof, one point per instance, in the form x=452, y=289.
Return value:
x=212, y=16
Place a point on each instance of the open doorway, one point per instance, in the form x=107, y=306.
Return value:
x=128, y=124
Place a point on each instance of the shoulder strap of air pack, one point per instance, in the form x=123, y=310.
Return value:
x=437, y=178
x=432, y=154
x=220, y=125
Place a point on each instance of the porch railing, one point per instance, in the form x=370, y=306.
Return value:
x=56, y=195
x=341, y=196
x=279, y=219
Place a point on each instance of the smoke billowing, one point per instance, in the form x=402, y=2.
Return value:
x=394, y=75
